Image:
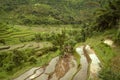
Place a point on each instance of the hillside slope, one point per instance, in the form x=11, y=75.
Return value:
x=47, y=12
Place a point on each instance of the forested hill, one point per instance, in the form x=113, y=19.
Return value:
x=47, y=11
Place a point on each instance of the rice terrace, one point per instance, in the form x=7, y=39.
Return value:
x=59, y=39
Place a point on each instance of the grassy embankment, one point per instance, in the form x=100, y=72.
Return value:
x=109, y=56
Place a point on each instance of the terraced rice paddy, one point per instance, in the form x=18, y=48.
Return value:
x=66, y=68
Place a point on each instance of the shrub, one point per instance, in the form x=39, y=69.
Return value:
x=2, y=41
x=38, y=37
x=71, y=42
x=18, y=57
x=32, y=59
x=9, y=66
x=108, y=73
x=117, y=38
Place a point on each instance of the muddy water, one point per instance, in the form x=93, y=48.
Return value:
x=26, y=74
x=82, y=74
x=95, y=63
x=38, y=72
x=49, y=69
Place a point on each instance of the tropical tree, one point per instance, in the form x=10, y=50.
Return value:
x=108, y=16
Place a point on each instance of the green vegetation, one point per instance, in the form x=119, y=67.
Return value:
x=46, y=12
x=109, y=18
x=32, y=32
x=29, y=50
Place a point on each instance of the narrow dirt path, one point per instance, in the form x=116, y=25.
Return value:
x=71, y=72
x=62, y=67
